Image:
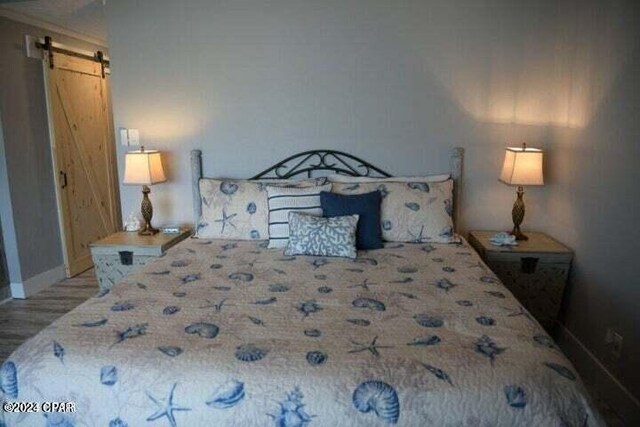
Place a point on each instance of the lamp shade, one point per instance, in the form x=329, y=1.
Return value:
x=143, y=168
x=522, y=166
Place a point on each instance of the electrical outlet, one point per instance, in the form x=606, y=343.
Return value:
x=614, y=341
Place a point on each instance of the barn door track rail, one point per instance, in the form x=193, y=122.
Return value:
x=50, y=47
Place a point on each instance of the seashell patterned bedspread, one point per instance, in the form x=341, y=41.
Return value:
x=223, y=333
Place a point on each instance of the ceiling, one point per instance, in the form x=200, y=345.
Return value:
x=82, y=16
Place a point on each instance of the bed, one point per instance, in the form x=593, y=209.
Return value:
x=230, y=333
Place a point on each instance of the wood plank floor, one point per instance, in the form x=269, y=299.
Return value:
x=22, y=319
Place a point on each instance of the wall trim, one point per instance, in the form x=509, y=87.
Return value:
x=592, y=371
x=27, y=288
x=37, y=22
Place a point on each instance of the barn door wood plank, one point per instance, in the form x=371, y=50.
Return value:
x=91, y=178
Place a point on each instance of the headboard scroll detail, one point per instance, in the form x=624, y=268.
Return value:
x=307, y=162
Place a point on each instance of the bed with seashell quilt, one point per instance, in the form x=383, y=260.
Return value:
x=232, y=333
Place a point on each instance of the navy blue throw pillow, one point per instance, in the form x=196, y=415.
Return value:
x=369, y=234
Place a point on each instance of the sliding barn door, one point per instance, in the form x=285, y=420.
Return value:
x=84, y=156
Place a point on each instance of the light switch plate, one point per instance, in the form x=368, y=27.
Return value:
x=134, y=137
x=124, y=138
x=129, y=137
x=30, y=48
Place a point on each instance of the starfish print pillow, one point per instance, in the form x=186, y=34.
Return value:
x=237, y=209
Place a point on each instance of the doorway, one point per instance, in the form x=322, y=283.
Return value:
x=83, y=145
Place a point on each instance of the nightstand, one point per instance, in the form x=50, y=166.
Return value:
x=535, y=271
x=122, y=253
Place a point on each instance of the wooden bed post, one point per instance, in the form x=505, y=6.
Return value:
x=457, y=156
x=196, y=175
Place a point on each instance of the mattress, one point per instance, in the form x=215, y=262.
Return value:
x=229, y=333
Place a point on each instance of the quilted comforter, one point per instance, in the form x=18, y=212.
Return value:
x=223, y=333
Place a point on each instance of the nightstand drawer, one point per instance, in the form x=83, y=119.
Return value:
x=149, y=251
x=517, y=257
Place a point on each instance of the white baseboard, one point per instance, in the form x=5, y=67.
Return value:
x=592, y=371
x=25, y=289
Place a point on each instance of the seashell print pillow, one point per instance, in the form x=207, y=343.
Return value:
x=238, y=209
x=322, y=236
x=414, y=211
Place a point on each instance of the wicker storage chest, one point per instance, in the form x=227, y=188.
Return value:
x=535, y=271
x=120, y=254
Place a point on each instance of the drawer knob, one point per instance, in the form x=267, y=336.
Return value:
x=528, y=265
x=126, y=257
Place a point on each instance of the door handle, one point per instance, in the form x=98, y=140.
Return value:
x=63, y=175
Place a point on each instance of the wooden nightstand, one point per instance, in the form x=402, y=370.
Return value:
x=535, y=271
x=122, y=253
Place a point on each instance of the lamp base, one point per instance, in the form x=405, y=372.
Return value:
x=518, y=234
x=147, y=213
x=517, y=214
x=148, y=231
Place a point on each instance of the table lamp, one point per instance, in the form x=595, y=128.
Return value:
x=144, y=168
x=522, y=166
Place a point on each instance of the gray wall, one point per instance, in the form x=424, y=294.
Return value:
x=593, y=200
x=29, y=215
x=399, y=83
x=251, y=82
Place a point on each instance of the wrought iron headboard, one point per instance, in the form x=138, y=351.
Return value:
x=307, y=162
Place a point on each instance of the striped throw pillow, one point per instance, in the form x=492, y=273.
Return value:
x=283, y=200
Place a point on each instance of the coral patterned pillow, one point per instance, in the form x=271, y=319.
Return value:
x=321, y=236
